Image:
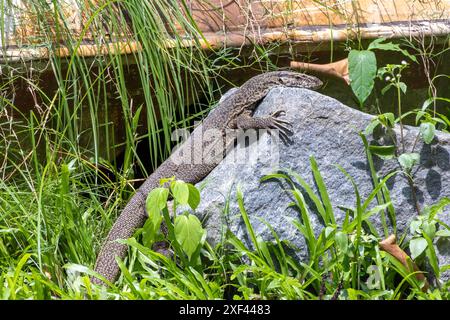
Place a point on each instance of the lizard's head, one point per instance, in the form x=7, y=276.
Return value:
x=294, y=79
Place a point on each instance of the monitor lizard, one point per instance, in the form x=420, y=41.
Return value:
x=232, y=112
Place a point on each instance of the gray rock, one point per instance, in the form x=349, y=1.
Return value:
x=327, y=130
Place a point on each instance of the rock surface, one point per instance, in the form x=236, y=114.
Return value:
x=327, y=130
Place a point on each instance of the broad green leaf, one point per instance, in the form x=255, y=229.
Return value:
x=403, y=87
x=163, y=181
x=408, y=160
x=156, y=200
x=180, y=191
x=414, y=226
x=194, y=196
x=429, y=228
x=389, y=116
x=427, y=131
x=342, y=241
x=387, y=119
x=362, y=71
x=417, y=246
x=150, y=230
x=389, y=46
x=371, y=126
x=386, y=152
x=377, y=44
x=386, y=88
x=443, y=233
x=188, y=233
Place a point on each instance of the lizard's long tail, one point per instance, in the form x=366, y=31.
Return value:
x=132, y=217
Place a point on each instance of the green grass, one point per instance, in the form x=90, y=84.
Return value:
x=50, y=259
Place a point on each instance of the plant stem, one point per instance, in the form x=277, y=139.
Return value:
x=413, y=192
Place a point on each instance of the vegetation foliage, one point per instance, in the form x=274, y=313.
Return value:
x=61, y=187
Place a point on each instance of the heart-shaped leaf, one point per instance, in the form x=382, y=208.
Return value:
x=362, y=66
x=417, y=246
x=429, y=228
x=156, y=200
x=427, y=131
x=180, y=191
x=408, y=160
x=188, y=233
x=194, y=196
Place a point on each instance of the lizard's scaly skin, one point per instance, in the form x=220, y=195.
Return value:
x=231, y=113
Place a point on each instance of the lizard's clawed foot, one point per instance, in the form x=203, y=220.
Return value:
x=284, y=127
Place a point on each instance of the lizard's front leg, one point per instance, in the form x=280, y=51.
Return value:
x=246, y=121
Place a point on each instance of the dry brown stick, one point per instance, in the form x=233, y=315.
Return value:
x=390, y=246
x=337, y=69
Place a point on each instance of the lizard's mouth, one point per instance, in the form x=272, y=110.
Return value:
x=318, y=84
x=315, y=83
